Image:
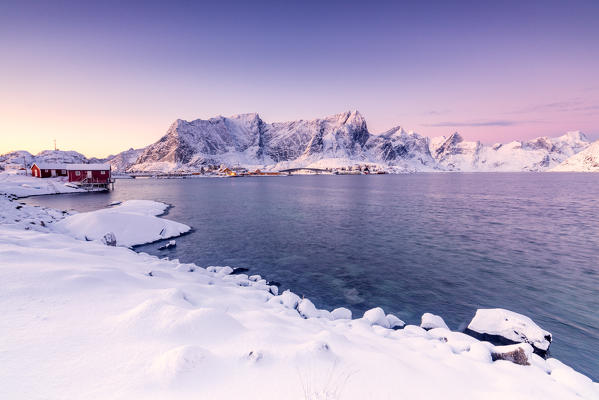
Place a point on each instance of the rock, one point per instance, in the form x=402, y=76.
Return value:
x=394, y=322
x=520, y=353
x=503, y=327
x=109, y=239
x=431, y=321
x=307, y=309
x=341, y=313
x=169, y=245
x=288, y=299
x=376, y=316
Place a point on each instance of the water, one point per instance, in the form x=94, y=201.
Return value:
x=441, y=243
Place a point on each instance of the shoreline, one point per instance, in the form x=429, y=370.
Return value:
x=374, y=322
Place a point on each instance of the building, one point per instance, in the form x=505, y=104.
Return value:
x=89, y=173
x=43, y=170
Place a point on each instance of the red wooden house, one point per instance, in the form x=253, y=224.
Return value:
x=44, y=170
x=89, y=173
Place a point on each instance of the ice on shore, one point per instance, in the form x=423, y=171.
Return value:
x=133, y=222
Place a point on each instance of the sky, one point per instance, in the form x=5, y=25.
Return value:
x=101, y=77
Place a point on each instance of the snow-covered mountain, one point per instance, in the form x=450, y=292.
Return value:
x=123, y=160
x=338, y=140
x=585, y=161
x=21, y=158
x=455, y=154
x=341, y=140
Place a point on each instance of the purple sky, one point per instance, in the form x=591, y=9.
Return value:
x=104, y=77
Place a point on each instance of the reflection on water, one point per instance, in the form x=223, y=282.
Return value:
x=441, y=243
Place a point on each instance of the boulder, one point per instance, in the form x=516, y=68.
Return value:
x=394, y=322
x=109, y=239
x=432, y=321
x=169, y=245
x=520, y=353
x=503, y=327
x=341, y=313
x=376, y=316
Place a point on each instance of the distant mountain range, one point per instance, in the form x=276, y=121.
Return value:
x=336, y=141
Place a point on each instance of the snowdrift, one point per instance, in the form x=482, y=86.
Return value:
x=133, y=222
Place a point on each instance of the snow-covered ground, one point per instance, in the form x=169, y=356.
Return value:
x=26, y=185
x=83, y=320
x=132, y=223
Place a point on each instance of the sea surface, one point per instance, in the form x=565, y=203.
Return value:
x=446, y=243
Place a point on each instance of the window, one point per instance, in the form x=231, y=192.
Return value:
x=45, y=170
x=78, y=173
x=64, y=171
x=103, y=172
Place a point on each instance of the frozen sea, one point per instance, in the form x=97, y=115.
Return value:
x=446, y=243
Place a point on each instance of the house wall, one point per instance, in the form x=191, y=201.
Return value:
x=40, y=173
x=46, y=173
x=97, y=176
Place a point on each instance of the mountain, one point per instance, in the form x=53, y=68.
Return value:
x=123, y=160
x=455, y=154
x=338, y=140
x=341, y=140
x=585, y=161
x=20, y=158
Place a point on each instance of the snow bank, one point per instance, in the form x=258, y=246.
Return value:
x=23, y=185
x=511, y=326
x=133, y=222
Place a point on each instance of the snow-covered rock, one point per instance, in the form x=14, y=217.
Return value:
x=431, y=321
x=341, y=313
x=133, y=222
x=169, y=245
x=585, y=161
x=395, y=322
x=307, y=309
x=499, y=325
x=376, y=316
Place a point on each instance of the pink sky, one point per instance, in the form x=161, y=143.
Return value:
x=101, y=78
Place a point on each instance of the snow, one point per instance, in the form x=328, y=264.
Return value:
x=585, y=161
x=133, y=222
x=337, y=141
x=81, y=319
x=510, y=325
x=341, y=313
x=431, y=321
x=87, y=167
x=376, y=316
x=24, y=185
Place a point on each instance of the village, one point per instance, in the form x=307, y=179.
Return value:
x=101, y=176
x=239, y=171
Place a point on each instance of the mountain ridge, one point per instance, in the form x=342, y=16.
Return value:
x=334, y=141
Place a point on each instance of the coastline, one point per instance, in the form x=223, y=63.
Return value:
x=303, y=337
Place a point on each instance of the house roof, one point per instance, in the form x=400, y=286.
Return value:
x=71, y=167
x=50, y=166
x=87, y=167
